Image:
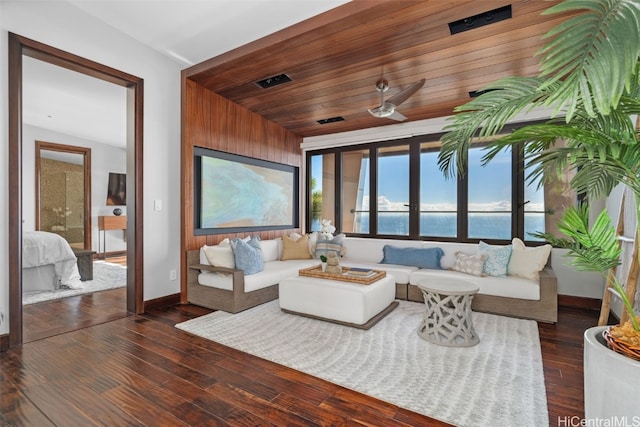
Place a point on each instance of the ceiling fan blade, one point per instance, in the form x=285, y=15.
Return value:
x=397, y=116
x=407, y=93
x=387, y=111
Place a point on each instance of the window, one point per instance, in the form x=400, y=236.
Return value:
x=395, y=188
x=534, y=210
x=321, y=200
x=489, y=196
x=438, y=197
x=356, y=175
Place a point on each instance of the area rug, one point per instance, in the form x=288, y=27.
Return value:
x=105, y=276
x=499, y=382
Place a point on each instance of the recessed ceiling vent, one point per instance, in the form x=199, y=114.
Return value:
x=480, y=20
x=273, y=81
x=331, y=120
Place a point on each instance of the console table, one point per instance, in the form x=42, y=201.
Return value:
x=109, y=223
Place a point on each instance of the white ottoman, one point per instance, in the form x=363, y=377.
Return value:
x=352, y=304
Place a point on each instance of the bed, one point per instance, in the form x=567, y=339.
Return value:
x=48, y=263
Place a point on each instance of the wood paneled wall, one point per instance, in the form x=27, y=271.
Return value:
x=211, y=121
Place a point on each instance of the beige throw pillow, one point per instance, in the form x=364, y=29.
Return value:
x=221, y=255
x=527, y=262
x=295, y=248
x=469, y=264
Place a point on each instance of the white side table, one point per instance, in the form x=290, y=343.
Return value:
x=447, y=318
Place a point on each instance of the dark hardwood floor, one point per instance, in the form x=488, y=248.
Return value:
x=140, y=370
x=68, y=314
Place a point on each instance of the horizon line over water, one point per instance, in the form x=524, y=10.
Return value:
x=484, y=225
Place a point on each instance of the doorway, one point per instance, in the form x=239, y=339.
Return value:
x=63, y=192
x=18, y=47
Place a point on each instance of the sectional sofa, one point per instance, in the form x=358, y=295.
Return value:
x=229, y=289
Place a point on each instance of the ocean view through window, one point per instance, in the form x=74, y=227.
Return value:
x=397, y=189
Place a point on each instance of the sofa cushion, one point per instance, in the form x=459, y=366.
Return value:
x=527, y=262
x=416, y=257
x=370, y=250
x=508, y=286
x=270, y=250
x=293, y=248
x=469, y=263
x=272, y=273
x=450, y=249
x=497, y=258
x=248, y=255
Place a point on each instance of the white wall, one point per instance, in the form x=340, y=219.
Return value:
x=570, y=282
x=66, y=27
x=105, y=158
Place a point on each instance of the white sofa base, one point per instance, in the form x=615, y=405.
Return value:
x=343, y=302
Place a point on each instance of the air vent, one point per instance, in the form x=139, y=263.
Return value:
x=331, y=120
x=273, y=81
x=480, y=20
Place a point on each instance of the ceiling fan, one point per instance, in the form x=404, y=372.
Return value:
x=388, y=109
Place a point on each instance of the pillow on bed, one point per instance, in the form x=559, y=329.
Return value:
x=247, y=255
x=469, y=263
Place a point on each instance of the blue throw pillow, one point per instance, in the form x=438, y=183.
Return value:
x=418, y=257
x=248, y=255
x=497, y=259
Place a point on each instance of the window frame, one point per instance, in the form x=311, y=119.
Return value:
x=414, y=143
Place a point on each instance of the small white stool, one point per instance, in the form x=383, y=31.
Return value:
x=447, y=319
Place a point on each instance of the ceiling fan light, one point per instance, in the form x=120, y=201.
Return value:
x=384, y=110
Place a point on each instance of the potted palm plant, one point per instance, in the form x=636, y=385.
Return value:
x=589, y=80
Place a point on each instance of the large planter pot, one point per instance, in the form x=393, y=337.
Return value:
x=611, y=380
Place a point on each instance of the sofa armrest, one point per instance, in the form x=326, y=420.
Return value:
x=238, y=275
x=548, y=283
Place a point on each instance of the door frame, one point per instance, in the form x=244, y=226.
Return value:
x=86, y=167
x=19, y=46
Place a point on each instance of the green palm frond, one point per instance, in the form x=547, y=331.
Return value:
x=487, y=115
x=597, y=181
x=594, y=55
x=594, y=249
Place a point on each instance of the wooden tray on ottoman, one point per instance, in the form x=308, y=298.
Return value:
x=316, y=271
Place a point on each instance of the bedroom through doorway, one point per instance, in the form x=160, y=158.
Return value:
x=64, y=208
x=51, y=317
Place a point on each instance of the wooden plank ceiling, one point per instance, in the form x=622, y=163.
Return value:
x=335, y=59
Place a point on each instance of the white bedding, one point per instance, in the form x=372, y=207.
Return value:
x=40, y=248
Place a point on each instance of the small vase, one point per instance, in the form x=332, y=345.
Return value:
x=324, y=266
